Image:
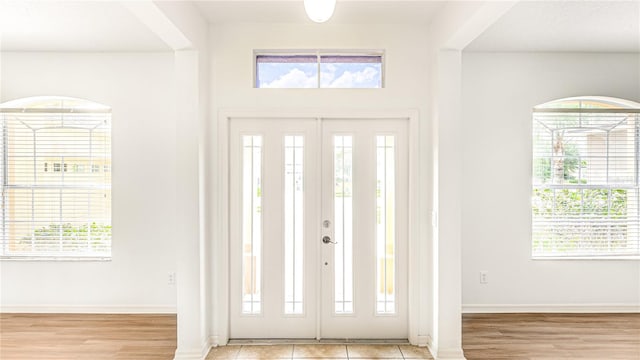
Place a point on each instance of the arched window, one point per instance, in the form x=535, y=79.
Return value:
x=585, y=178
x=55, y=159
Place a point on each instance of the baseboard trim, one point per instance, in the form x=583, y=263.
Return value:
x=449, y=354
x=208, y=344
x=188, y=355
x=423, y=341
x=194, y=354
x=89, y=309
x=550, y=308
x=427, y=341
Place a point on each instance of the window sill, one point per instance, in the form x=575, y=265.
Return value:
x=606, y=258
x=56, y=258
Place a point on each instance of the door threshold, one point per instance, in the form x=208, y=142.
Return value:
x=321, y=341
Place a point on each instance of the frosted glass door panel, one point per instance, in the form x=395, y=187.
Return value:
x=293, y=224
x=251, y=223
x=343, y=218
x=385, y=224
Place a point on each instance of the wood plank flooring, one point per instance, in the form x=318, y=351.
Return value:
x=87, y=337
x=485, y=336
x=551, y=336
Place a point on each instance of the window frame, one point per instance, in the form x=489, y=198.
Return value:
x=318, y=53
x=601, y=105
x=26, y=105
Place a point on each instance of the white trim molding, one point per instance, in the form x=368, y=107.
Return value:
x=89, y=309
x=422, y=341
x=195, y=354
x=216, y=341
x=551, y=308
x=189, y=355
x=449, y=354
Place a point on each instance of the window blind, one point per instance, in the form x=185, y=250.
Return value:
x=339, y=59
x=585, y=183
x=351, y=59
x=286, y=59
x=56, y=183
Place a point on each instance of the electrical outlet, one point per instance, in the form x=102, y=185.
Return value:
x=171, y=278
x=484, y=277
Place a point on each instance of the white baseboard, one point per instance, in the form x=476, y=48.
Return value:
x=194, y=354
x=208, y=344
x=188, y=355
x=449, y=354
x=550, y=308
x=89, y=309
x=423, y=341
x=215, y=341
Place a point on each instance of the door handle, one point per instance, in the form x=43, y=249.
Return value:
x=327, y=240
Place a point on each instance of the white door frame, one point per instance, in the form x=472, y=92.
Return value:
x=418, y=299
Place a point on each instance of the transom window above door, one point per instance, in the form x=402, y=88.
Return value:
x=319, y=69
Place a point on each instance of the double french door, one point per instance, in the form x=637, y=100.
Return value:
x=318, y=228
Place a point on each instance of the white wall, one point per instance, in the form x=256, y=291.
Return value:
x=233, y=45
x=499, y=91
x=138, y=87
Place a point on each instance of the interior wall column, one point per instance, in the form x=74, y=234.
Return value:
x=447, y=249
x=192, y=344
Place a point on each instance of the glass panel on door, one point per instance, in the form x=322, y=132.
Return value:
x=343, y=202
x=385, y=224
x=293, y=224
x=251, y=223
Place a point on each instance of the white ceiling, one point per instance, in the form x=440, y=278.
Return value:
x=347, y=11
x=73, y=26
x=580, y=26
x=603, y=26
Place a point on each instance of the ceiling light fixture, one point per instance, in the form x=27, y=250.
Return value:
x=319, y=10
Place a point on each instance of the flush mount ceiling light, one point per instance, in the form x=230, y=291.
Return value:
x=319, y=10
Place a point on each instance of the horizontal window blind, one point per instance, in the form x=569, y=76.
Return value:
x=298, y=59
x=286, y=59
x=56, y=183
x=351, y=59
x=585, y=183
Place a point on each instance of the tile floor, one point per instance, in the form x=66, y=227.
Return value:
x=319, y=351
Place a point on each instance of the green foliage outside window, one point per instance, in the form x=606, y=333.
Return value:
x=578, y=219
x=74, y=237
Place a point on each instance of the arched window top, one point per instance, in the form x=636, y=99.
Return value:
x=588, y=103
x=53, y=104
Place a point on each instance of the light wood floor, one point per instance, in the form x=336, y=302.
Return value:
x=551, y=336
x=87, y=337
x=485, y=336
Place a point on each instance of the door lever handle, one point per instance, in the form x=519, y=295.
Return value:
x=327, y=240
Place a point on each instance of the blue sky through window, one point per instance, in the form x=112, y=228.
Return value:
x=287, y=75
x=351, y=75
x=334, y=73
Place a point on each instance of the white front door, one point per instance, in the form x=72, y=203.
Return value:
x=318, y=228
x=364, y=212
